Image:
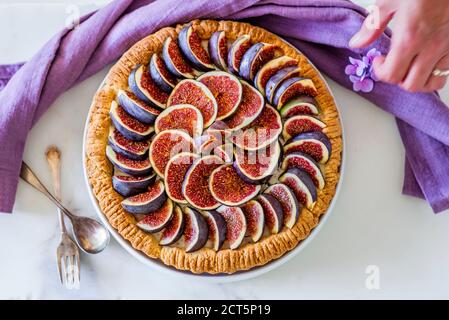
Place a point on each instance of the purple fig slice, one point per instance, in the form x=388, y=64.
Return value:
x=198, y=95
x=146, y=202
x=183, y=117
x=256, y=56
x=217, y=228
x=256, y=167
x=255, y=219
x=272, y=209
x=143, y=86
x=236, y=52
x=226, y=89
x=158, y=219
x=300, y=105
x=261, y=132
x=270, y=68
x=129, y=186
x=249, y=109
x=225, y=152
x=207, y=142
x=305, y=162
x=196, y=231
x=300, y=124
x=175, y=172
x=195, y=187
x=218, y=49
x=135, y=150
x=290, y=205
x=166, y=145
x=137, y=168
x=228, y=188
x=160, y=74
x=175, y=62
x=235, y=225
x=136, y=108
x=302, y=185
x=128, y=126
x=174, y=229
x=276, y=79
x=315, y=144
x=190, y=44
x=292, y=88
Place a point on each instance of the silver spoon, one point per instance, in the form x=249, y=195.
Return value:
x=91, y=236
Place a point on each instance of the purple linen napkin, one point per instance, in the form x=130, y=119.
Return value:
x=319, y=28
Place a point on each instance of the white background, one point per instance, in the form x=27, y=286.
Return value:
x=372, y=223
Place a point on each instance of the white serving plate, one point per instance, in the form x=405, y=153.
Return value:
x=217, y=278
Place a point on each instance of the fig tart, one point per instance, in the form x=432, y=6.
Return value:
x=213, y=146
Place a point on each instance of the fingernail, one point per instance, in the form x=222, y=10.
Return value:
x=354, y=40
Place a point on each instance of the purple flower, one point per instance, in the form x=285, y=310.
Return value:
x=361, y=73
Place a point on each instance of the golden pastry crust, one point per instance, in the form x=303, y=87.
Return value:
x=99, y=170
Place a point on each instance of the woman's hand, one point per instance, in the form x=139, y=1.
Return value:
x=419, y=45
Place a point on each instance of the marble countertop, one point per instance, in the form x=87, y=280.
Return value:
x=376, y=244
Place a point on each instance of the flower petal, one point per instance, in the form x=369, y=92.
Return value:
x=367, y=85
x=354, y=78
x=360, y=71
x=355, y=61
x=350, y=69
x=357, y=86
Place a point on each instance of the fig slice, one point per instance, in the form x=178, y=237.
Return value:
x=217, y=228
x=144, y=87
x=226, y=89
x=255, y=219
x=128, y=126
x=195, y=187
x=302, y=185
x=175, y=62
x=270, y=68
x=158, y=219
x=236, y=52
x=261, y=132
x=292, y=88
x=135, y=150
x=136, y=108
x=136, y=168
x=183, y=117
x=300, y=105
x=218, y=49
x=276, y=79
x=146, y=202
x=196, y=231
x=167, y=144
x=207, y=142
x=228, y=188
x=300, y=124
x=290, y=205
x=235, y=225
x=190, y=44
x=305, y=162
x=225, y=152
x=256, y=56
x=174, y=229
x=272, y=209
x=249, y=109
x=198, y=95
x=129, y=186
x=175, y=172
x=160, y=74
x=316, y=144
x=256, y=167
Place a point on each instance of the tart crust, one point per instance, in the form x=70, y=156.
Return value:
x=100, y=171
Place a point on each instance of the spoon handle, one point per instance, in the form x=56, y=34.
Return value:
x=28, y=175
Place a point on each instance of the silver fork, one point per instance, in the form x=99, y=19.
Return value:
x=67, y=253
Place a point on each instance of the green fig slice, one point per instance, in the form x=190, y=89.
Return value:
x=300, y=124
x=255, y=219
x=175, y=172
x=236, y=52
x=128, y=126
x=307, y=163
x=290, y=205
x=146, y=202
x=256, y=56
x=144, y=87
x=137, y=168
x=261, y=132
x=167, y=144
x=274, y=215
x=174, y=229
x=226, y=89
x=235, y=225
x=157, y=220
x=228, y=188
x=183, y=117
x=195, y=187
x=292, y=88
x=217, y=228
x=196, y=230
x=270, y=68
x=300, y=105
x=198, y=95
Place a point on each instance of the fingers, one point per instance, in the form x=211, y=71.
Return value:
x=435, y=83
x=419, y=72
